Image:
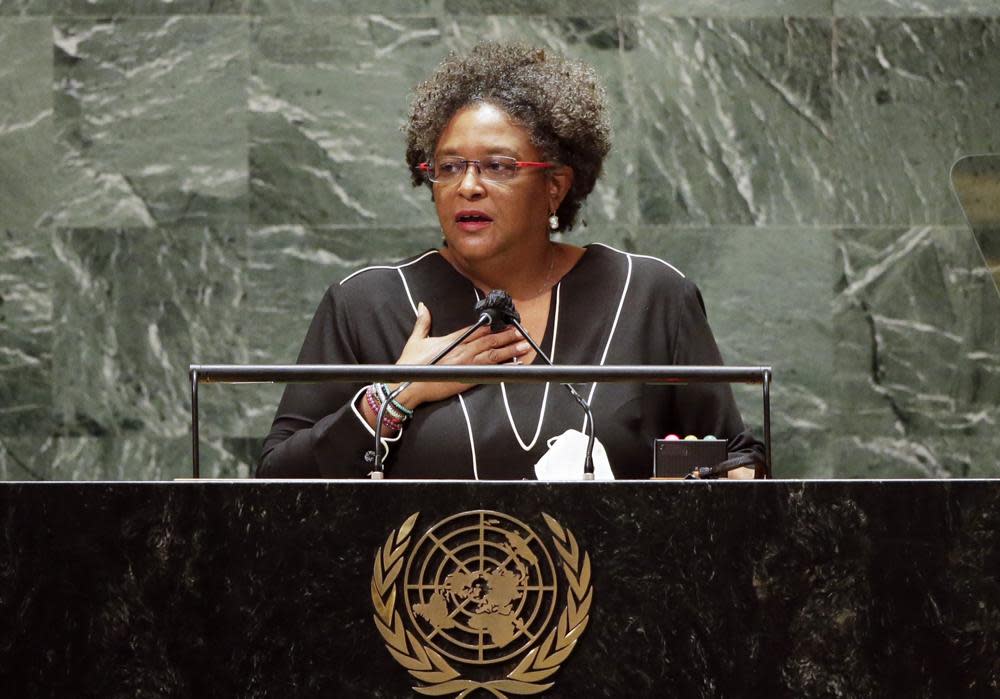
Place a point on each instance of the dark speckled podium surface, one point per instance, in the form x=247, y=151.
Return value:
x=262, y=589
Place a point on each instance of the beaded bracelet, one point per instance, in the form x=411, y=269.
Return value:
x=403, y=412
x=389, y=409
x=375, y=404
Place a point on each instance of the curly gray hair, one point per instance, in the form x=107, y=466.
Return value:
x=560, y=102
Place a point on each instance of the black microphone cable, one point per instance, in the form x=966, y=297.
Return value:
x=502, y=302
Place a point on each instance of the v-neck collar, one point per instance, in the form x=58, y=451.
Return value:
x=545, y=343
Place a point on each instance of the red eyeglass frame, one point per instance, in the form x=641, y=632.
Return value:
x=426, y=166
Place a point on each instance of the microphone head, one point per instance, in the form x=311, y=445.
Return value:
x=499, y=306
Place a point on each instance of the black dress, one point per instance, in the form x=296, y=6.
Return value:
x=611, y=308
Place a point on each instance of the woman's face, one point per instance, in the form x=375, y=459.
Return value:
x=482, y=219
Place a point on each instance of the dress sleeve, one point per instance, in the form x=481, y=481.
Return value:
x=318, y=431
x=707, y=408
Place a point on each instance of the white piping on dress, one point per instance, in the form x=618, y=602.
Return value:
x=354, y=401
x=361, y=418
x=545, y=394
x=468, y=422
x=406, y=287
x=407, y=264
x=647, y=257
x=472, y=441
x=614, y=326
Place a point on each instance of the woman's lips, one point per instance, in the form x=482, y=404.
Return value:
x=471, y=220
x=472, y=226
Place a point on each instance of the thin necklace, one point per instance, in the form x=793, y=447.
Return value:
x=545, y=394
x=547, y=282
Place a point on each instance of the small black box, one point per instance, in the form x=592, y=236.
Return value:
x=677, y=458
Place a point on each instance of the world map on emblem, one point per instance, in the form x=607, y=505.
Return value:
x=480, y=587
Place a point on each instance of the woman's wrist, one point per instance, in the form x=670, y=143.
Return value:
x=387, y=396
x=410, y=397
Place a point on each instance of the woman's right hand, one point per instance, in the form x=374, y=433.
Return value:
x=482, y=347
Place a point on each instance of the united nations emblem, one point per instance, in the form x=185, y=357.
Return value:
x=479, y=591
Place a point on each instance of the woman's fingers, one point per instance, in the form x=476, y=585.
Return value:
x=497, y=348
x=501, y=355
x=480, y=332
x=420, y=348
x=422, y=326
x=481, y=347
x=493, y=340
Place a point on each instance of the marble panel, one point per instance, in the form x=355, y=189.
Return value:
x=239, y=411
x=761, y=287
x=327, y=99
x=25, y=331
x=548, y=8
x=917, y=364
x=151, y=115
x=329, y=95
x=134, y=457
x=119, y=8
x=18, y=458
x=743, y=8
x=915, y=8
x=911, y=96
x=25, y=7
x=290, y=268
x=735, y=121
x=26, y=123
x=314, y=8
x=133, y=308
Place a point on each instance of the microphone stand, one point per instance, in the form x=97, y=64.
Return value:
x=588, y=464
x=378, y=473
x=496, y=310
x=706, y=472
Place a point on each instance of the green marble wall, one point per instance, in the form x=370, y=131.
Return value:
x=179, y=181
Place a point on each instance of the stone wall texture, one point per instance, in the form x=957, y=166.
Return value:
x=180, y=181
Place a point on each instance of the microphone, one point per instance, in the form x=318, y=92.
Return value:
x=500, y=307
x=501, y=303
x=492, y=311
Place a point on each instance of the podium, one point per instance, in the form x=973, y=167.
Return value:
x=697, y=589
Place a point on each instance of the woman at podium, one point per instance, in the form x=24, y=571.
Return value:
x=510, y=141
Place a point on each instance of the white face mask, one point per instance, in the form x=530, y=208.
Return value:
x=564, y=459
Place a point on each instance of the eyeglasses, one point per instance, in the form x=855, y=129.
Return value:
x=494, y=168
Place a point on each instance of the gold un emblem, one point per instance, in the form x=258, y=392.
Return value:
x=479, y=591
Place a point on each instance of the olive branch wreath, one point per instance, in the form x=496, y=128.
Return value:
x=429, y=666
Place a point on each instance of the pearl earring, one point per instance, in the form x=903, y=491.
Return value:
x=553, y=222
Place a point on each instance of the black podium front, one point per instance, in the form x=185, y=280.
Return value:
x=340, y=589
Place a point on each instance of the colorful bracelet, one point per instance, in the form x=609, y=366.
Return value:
x=375, y=404
x=389, y=408
x=401, y=410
